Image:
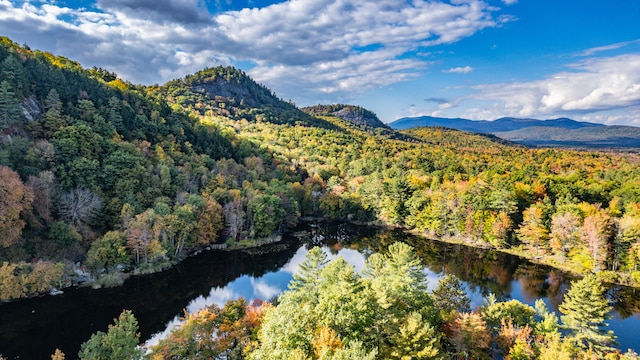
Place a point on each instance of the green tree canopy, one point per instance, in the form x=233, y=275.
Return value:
x=585, y=312
x=119, y=343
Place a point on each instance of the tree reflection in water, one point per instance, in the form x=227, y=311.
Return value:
x=34, y=328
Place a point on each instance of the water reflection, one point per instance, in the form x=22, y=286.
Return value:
x=34, y=328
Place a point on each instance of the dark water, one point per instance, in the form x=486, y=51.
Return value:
x=34, y=328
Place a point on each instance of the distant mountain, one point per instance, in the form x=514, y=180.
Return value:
x=354, y=114
x=561, y=132
x=490, y=127
x=588, y=136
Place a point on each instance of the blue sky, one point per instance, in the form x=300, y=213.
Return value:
x=459, y=58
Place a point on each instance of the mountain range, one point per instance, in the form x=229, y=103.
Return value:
x=562, y=132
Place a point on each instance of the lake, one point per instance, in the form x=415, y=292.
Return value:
x=34, y=328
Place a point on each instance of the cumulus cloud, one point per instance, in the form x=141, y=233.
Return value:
x=355, y=73
x=592, y=85
x=459, y=70
x=326, y=46
x=181, y=11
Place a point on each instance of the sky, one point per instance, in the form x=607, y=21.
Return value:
x=475, y=59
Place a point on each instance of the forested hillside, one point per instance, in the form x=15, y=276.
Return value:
x=229, y=93
x=110, y=177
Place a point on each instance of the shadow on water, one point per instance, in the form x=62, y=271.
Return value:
x=33, y=328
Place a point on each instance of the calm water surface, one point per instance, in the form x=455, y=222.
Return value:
x=34, y=328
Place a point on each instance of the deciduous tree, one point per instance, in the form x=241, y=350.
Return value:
x=565, y=228
x=470, y=336
x=108, y=252
x=532, y=231
x=79, y=206
x=15, y=199
x=596, y=233
x=210, y=222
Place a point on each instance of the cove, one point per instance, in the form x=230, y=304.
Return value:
x=34, y=328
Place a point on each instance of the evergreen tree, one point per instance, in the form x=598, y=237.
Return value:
x=341, y=296
x=266, y=214
x=114, y=116
x=53, y=119
x=10, y=113
x=585, y=310
x=547, y=324
x=308, y=276
x=120, y=342
x=449, y=295
x=13, y=72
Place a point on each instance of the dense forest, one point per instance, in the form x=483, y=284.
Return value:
x=100, y=178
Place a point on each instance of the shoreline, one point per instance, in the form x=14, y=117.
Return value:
x=117, y=278
x=606, y=276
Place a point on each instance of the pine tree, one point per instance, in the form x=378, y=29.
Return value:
x=450, y=295
x=585, y=310
x=120, y=342
x=309, y=273
x=114, y=114
x=10, y=113
x=53, y=119
x=12, y=70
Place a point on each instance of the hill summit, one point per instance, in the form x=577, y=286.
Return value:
x=356, y=115
x=229, y=92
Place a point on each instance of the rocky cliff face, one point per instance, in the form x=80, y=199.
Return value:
x=354, y=114
x=30, y=109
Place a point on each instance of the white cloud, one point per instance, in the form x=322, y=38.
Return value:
x=322, y=46
x=593, y=85
x=358, y=72
x=155, y=338
x=294, y=263
x=217, y=296
x=354, y=258
x=182, y=11
x=264, y=290
x=509, y=2
x=595, y=50
x=631, y=117
x=459, y=70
